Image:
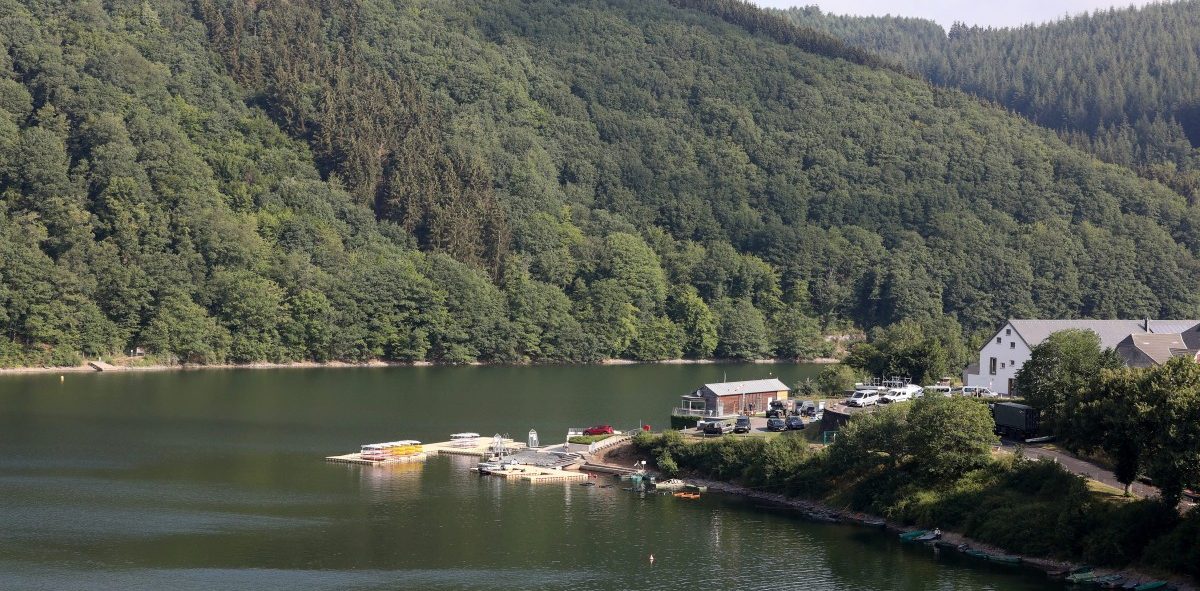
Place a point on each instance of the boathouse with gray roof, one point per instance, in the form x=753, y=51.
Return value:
x=724, y=398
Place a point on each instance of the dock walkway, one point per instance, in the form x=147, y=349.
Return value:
x=539, y=474
x=533, y=465
x=480, y=448
x=356, y=458
x=475, y=449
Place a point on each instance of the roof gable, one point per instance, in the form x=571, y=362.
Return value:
x=1157, y=347
x=1111, y=332
x=747, y=387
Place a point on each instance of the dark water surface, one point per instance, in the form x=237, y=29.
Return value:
x=213, y=480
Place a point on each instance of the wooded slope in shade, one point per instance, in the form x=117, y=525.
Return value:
x=529, y=180
x=1122, y=83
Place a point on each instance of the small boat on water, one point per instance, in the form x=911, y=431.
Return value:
x=673, y=484
x=909, y=536
x=687, y=495
x=1083, y=577
x=1004, y=558
x=1066, y=572
x=973, y=553
x=1151, y=586
x=1107, y=581
x=929, y=536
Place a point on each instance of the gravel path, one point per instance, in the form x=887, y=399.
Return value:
x=1084, y=468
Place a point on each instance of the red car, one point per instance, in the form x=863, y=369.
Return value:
x=599, y=430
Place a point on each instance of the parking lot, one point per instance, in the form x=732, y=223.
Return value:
x=758, y=426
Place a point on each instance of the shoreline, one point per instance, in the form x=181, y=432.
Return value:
x=822, y=512
x=159, y=367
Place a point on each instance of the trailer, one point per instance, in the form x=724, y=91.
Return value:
x=1014, y=420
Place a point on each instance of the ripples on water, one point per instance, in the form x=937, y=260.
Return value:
x=213, y=481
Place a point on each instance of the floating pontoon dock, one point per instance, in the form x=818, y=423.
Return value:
x=527, y=465
x=477, y=447
x=530, y=473
x=357, y=458
x=392, y=452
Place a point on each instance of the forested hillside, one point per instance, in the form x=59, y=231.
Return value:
x=526, y=180
x=1124, y=84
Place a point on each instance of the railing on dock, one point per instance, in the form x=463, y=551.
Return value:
x=681, y=411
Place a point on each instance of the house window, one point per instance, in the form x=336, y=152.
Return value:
x=1012, y=345
x=1001, y=366
x=1011, y=363
x=992, y=366
x=1008, y=332
x=997, y=340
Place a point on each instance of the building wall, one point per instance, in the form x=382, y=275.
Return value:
x=740, y=402
x=1010, y=353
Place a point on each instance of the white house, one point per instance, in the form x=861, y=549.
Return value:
x=1139, y=342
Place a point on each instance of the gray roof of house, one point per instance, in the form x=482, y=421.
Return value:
x=1111, y=332
x=1158, y=347
x=748, y=387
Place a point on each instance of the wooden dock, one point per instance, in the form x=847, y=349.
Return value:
x=482, y=448
x=539, y=474
x=356, y=458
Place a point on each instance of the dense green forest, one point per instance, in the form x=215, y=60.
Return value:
x=532, y=180
x=1122, y=83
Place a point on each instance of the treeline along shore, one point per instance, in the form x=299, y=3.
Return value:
x=936, y=463
x=140, y=364
x=230, y=182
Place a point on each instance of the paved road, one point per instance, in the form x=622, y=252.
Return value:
x=1084, y=468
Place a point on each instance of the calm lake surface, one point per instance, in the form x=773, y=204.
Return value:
x=213, y=480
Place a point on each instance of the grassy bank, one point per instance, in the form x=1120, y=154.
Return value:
x=1034, y=508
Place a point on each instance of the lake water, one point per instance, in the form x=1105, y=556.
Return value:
x=214, y=480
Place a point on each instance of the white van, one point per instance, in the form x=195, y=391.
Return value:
x=863, y=398
x=978, y=392
x=902, y=393
x=939, y=390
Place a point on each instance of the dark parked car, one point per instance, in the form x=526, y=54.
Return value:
x=777, y=424
x=795, y=423
x=742, y=425
x=599, y=430
x=718, y=428
x=778, y=409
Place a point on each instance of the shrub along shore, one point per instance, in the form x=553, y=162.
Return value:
x=931, y=464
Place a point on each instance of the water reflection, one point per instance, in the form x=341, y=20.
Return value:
x=215, y=480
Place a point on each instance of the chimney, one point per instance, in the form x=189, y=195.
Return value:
x=1146, y=324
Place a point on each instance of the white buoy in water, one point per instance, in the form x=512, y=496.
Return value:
x=651, y=559
x=62, y=378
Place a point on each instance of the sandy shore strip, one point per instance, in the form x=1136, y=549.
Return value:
x=194, y=367
x=125, y=365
